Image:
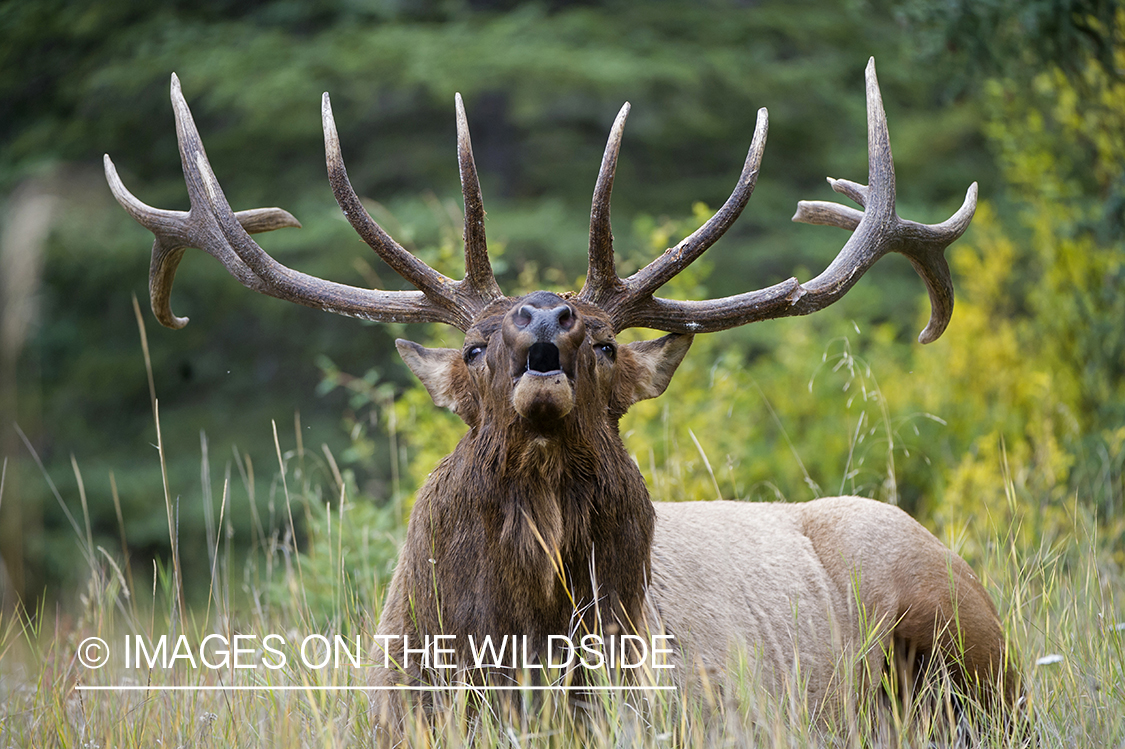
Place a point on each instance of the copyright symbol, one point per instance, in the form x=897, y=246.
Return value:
x=93, y=652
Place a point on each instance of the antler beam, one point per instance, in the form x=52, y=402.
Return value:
x=211, y=225
x=877, y=230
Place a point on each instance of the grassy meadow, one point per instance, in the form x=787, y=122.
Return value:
x=1059, y=595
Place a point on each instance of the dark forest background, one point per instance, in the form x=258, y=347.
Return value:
x=1024, y=392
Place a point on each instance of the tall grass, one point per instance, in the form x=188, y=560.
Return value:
x=1060, y=602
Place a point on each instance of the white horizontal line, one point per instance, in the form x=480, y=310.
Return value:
x=395, y=688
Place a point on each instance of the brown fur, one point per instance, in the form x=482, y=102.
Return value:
x=815, y=582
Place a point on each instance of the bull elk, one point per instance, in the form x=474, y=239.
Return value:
x=539, y=523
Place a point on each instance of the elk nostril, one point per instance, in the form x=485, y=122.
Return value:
x=566, y=318
x=524, y=316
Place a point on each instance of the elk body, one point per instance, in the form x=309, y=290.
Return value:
x=539, y=523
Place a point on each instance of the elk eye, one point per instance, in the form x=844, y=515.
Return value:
x=473, y=353
x=608, y=349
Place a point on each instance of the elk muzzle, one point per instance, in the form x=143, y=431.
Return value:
x=543, y=333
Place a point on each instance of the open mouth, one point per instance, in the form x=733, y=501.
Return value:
x=542, y=392
x=543, y=358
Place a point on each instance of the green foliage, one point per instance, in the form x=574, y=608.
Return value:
x=541, y=82
x=1051, y=299
x=1031, y=367
x=346, y=562
x=1011, y=37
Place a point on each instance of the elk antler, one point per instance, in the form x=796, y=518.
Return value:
x=603, y=286
x=877, y=230
x=213, y=227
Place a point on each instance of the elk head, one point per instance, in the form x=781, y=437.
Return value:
x=542, y=360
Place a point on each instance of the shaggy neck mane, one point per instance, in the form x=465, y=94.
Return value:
x=549, y=523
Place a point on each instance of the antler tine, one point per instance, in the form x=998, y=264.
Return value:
x=675, y=259
x=602, y=283
x=877, y=231
x=478, y=270
x=171, y=241
x=175, y=231
x=630, y=301
x=624, y=298
x=212, y=226
x=440, y=289
x=923, y=244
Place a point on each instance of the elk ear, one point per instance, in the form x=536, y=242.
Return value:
x=436, y=368
x=655, y=362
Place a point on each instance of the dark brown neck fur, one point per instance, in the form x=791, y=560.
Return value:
x=500, y=514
